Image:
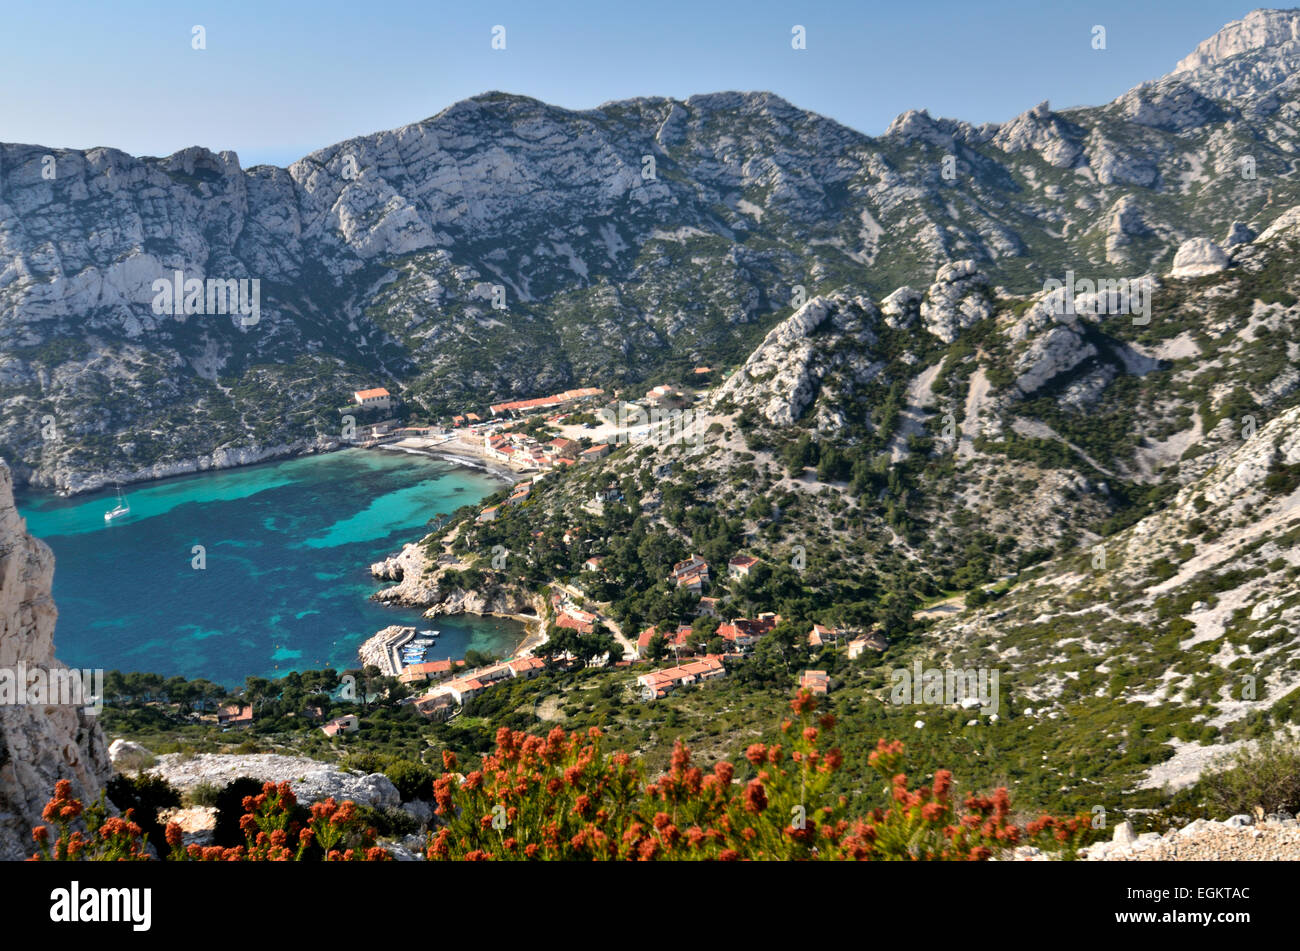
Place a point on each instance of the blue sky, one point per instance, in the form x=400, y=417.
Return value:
x=280, y=79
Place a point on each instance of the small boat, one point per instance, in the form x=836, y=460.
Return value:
x=122, y=508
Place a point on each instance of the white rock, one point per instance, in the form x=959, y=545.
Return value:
x=1124, y=834
x=129, y=757
x=1197, y=258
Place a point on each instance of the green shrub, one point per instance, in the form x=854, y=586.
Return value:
x=1267, y=776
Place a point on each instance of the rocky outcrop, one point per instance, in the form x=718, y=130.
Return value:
x=958, y=298
x=1124, y=223
x=902, y=307
x=796, y=361
x=1238, y=233
x=1197, y=258
x=312, y=781
x=1042, y=131
x=39, y=744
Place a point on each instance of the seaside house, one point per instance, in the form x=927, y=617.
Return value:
x=872, y=639
x=378, y=398
x=436, y=706
x=342, y=725
x=489, y=514
x=817, y=681
x=740, y=566
x=676, y=641
x=236, y=715
x=432, y=670
x=594, y=453
x=708, y=607
x=570, y=617
x=526, y=667
x=658, y=683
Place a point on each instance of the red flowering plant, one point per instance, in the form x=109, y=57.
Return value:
x=535, y=798
x=273, y=825
x=106, y=838
x=274, y=831
x=561, y=798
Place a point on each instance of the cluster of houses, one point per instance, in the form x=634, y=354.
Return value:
x=741, y=634
x=524, y=451
x=439, y=702
x=693, y=573
x=821, y=636
x=658, y=683
x=569, y=615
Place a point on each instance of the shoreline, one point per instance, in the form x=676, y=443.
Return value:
x=495, y=469
x=218, y=460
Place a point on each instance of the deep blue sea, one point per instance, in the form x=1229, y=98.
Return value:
x=287, y=545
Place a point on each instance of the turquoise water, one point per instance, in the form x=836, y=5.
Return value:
x=285, y=587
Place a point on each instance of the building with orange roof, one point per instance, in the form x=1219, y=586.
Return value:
x=658, y=683
x=377, y=397
x=817, y=681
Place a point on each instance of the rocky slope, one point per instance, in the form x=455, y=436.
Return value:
x=39, y=745
x=679, y=230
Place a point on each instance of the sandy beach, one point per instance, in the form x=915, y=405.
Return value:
x=465, y=452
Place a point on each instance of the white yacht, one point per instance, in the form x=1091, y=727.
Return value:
x=122, y=508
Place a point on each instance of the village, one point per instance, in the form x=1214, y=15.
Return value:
x=534, y=437
x=506, y=436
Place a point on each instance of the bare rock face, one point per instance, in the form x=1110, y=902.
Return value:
x=312, y=781
x=1239, y=233
x=39, y=745
x=1197, y=258
x=794, y=364
x=958, y=298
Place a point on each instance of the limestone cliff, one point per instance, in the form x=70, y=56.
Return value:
x=38, y=744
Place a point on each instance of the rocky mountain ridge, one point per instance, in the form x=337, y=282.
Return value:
x=605, y=246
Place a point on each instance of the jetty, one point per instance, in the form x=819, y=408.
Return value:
x=384, y=649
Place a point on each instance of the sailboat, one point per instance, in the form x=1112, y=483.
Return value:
x=122, y=508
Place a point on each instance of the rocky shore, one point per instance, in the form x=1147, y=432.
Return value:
x=69, y=482
x=417, y=584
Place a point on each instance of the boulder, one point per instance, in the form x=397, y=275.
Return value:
x=1124, y=834
x=128, y=757
x=1197, y=258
